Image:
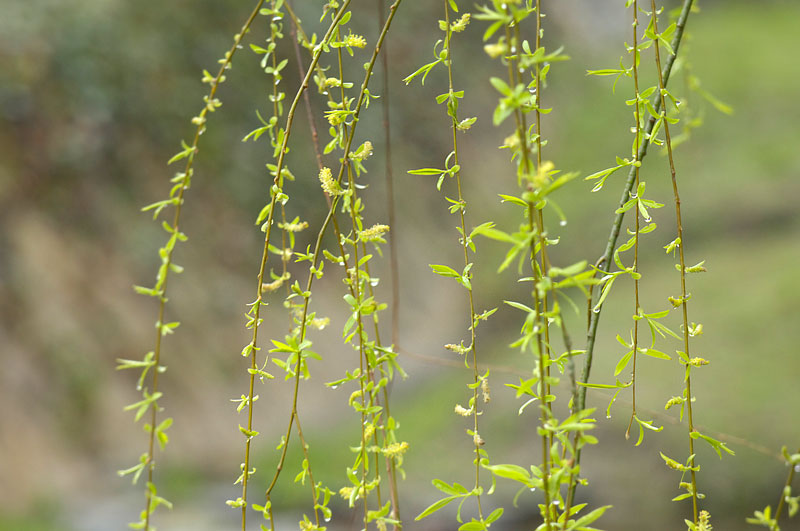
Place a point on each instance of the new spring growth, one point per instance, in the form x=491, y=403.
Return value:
x=487, y=393
x=269, y=287
x=542, y=176
x=369, y=431
x=331, y=82
x=330, y=186
x=704, y=523
x=320, y=322
x=674, y=401
x=363, y=152
x=497, y=49
x=346, y=492
x=296, y=226
x=307, y=525
x=373, y=233
x=354, y=41
x=457, y=26
x=461, y=410
x=458, y=349
x=335, y=117
x=395, y=449
x=211, y=80
x=695, y=329
x=511, y=142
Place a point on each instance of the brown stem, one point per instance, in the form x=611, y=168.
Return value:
x=681, y=248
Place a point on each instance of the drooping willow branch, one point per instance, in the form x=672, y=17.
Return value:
x=257, y=304
x=625, y=196
x=629, y=183
x=182, y=183
x=689, y=362
x=316, y=253
x=297, y=35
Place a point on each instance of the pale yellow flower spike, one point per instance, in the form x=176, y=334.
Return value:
x=460, y=24
x=705, y=521
x=542, y=176
x=487, y=393
x=395, y=449
x=355, y=41
x=461, y=410
x=373, y=233
x=330, y=186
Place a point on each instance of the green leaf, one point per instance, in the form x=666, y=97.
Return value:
x=513, y=199
x=569, y=271
x=427, y=171
x=488, y=230
x=435, y=506
x=653, y=353
x=602, y=176
x=609, y=281
x=623, y=362
x=583, y=521
x=501, y=86
x=456, y=489
x=717, y=445
x=143, y=405
x=520, y=306
x=512, y=472
x=187, y=151
x=494, y=516
x=444, y=271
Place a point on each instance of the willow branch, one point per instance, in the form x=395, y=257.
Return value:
x=616, y=226
x=594, y=316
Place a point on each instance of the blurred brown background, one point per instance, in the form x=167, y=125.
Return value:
x=95, y=96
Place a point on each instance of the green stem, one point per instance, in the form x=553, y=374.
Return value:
x=637, y=110
x=540, y=271
x=473, y=321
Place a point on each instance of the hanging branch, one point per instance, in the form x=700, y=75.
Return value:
x=594, y=316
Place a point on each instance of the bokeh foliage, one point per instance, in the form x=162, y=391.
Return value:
x=94, y=97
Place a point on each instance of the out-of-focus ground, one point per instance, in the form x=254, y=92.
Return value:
x=95, y=97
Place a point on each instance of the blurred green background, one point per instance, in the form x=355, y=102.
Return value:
x=95, y=96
